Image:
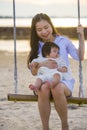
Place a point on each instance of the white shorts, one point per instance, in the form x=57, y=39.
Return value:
x=46, y=74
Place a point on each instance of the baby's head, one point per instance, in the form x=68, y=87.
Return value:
x=50, y=49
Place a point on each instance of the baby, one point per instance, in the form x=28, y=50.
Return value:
x=50, y=51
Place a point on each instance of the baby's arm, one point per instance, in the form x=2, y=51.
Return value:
x=62, y=69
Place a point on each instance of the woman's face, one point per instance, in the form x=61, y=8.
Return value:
x=44, y=30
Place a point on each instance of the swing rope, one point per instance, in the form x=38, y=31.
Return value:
x=15, y=57
x=81, y=94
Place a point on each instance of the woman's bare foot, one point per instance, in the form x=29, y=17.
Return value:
x=65, y=128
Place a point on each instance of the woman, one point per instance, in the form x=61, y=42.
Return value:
x=42, y=30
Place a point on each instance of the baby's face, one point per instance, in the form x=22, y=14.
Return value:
x=54, y=52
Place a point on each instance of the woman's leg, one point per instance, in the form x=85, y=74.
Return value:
x=59, y=94
x=44, y=105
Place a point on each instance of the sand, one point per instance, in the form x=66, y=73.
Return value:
x=25, y=115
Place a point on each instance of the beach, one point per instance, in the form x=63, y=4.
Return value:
x=16, y=18
x=25, y=115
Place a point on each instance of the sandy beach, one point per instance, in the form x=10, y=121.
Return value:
x=25, y=115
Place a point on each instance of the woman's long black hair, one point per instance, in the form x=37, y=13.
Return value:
x=34, y=39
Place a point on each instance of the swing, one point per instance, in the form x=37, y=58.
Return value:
x=20, y=97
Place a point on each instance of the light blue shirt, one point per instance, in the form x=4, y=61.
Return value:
x=66, y=48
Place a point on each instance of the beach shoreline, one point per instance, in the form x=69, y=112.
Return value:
x=22, y=33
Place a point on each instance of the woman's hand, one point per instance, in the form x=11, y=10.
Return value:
x=34, y=66
x=80, y=29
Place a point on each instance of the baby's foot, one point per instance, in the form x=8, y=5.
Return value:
x=33, y=87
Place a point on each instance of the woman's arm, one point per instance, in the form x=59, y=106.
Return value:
x=81, y=49
x=51, y=64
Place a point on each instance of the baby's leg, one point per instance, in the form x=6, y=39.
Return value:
x=37, y=85
x=55, y=80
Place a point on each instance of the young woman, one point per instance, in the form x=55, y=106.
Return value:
x=42, y=30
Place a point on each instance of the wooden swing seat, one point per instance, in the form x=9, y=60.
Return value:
x=33, y=98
